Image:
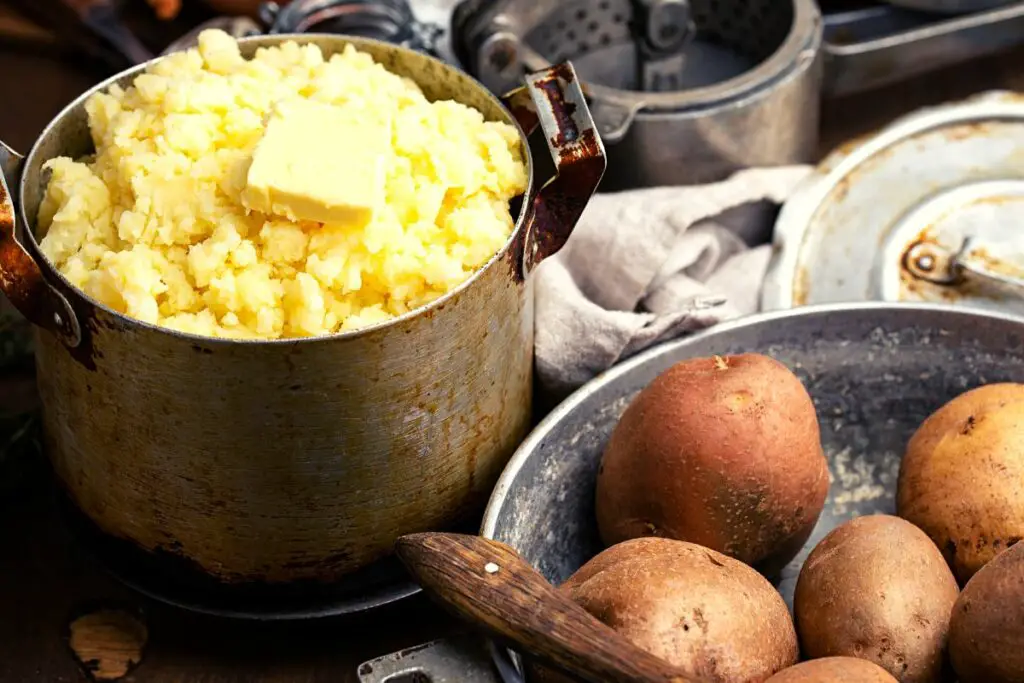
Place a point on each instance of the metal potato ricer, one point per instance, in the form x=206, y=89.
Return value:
x=734, y=83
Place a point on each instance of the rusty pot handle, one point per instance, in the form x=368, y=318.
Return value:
x=553, y=100
x=21, y=278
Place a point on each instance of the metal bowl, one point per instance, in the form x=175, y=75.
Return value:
x=875, y=372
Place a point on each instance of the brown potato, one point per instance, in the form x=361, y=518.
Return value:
x=960, y=480
x=986, y=634
x=724, y=452
x=834, y=670
x=715, y=617
x=878, y=589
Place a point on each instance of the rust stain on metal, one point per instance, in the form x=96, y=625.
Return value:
x=564, y=112
x=996, y=264
x=801, y=286
x=966, y=131
x=558, y=208
x=553, y=212
x=957, y=288
x=923, y=289
x=842, y=188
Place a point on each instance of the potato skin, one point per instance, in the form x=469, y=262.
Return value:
x=724, y=452
x=986, y=634
x=960, y=480
x=834, y=670
x=716, y=618
x=878, y=589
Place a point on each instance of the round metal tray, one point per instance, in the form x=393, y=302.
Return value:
x=875, y=372
x=929, y=180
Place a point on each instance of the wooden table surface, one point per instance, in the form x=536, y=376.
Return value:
x=46, y=581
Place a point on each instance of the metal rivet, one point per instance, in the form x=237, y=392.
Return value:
x=491, y=568
x=926, y=262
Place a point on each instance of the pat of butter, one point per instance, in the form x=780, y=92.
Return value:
x=318, y=162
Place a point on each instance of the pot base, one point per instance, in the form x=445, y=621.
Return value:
x=172, y=580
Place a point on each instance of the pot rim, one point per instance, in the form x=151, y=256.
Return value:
x=268, y=40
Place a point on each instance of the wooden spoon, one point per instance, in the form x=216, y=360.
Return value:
x=487, y=584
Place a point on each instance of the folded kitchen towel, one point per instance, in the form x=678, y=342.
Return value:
x=644, y=266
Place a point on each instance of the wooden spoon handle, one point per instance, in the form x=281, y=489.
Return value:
x=487, y=584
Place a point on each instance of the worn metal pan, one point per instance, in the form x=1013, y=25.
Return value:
x=881, y=45
x=875, y=372
x=925, y=210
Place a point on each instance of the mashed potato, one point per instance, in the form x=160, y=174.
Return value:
x=154, y=227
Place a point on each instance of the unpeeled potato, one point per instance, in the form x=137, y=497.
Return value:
x=712, y=616
x=877, y=588
x=962, y=478
x=724, y=452
x=986, y=634
x=834, y=670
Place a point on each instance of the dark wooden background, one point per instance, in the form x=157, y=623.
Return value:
x=46, y=581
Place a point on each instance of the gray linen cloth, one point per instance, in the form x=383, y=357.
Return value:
x=644, y=266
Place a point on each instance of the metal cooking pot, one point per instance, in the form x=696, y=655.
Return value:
x=282, y=461
x=875, y=372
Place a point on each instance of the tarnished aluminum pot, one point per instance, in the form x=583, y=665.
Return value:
x=283, y=461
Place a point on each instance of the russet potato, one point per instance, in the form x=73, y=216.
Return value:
x=724, y=452
x=712, y=616
x=877, y=588
x=986, y=633
x=834, y=670
x=962, y=478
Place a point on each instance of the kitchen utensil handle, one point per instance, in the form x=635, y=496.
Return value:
x=853, y=67
x=487, y=584
x=553, y=100
x=927, y=261
x=21, y=278
x=979, y=272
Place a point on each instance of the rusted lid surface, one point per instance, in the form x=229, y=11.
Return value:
x=889, y=219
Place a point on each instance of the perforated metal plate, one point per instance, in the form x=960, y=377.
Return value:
x=732, y=37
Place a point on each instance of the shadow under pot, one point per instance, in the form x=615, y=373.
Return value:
x=273, y=462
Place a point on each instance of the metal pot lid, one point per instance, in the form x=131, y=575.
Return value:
x=928, y=210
